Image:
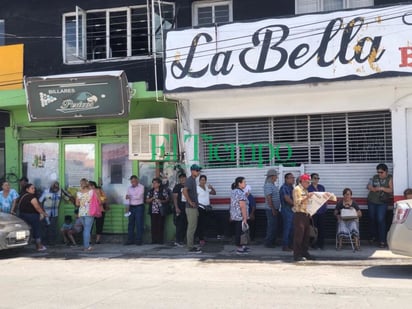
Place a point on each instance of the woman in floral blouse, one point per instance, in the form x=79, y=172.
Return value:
x=83, y=198
x=156, y=198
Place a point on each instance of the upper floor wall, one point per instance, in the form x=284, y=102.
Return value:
x=69, y=37
x=61, y=37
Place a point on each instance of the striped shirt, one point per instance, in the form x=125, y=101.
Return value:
x=270, y=189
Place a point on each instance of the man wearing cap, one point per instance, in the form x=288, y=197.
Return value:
x=50, y=201
x=135, y=210
x=272, y=207
x=192, y=212
x=301, y=219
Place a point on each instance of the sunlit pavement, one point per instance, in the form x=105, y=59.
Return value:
x=219, y=250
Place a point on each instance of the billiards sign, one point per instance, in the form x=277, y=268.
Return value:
x=79, y=96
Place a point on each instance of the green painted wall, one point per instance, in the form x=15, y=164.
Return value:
x=144, y=104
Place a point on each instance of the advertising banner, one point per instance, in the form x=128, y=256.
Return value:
x=346, y=44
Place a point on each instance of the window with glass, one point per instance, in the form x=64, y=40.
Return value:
x=79, y=163
x=116, y=33
x=116, y=171
x=206, y=13
x=310, y=6
x=2, y=32
x=41, y=163
x=293, y=140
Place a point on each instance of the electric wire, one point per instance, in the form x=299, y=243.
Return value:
x=298, y=36
x=391, y=13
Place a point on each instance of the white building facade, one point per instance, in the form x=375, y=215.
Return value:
x=327, y=93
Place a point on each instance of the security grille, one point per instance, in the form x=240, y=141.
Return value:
x=294, y=140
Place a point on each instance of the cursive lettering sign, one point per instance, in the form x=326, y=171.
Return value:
x=325, y=46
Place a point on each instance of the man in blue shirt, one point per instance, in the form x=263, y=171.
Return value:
x=272, y=206
x=286, y=200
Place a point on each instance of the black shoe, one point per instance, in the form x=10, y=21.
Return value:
x=139, y=243
x=309, y=257
x=382, y=245
x=128, y=243
x=270, y=246
x=299, y=259
x=195, y=250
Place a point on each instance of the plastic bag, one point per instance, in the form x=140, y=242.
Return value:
x=95, y=209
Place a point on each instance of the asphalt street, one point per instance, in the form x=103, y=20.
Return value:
x=164, y=276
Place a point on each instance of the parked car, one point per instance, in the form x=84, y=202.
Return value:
x=400, y=234
x=14, y=232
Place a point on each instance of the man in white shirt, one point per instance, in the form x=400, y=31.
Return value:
x=135, y=195
x=203, y=197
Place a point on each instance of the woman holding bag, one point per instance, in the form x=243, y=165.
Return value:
x=102, y=199
x=156, y=198
x=31, y=212
x=239, y=212
x=348, y=227
x=380, y=194
x=83, y=198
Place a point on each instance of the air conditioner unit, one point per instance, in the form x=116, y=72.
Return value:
x=153, y=139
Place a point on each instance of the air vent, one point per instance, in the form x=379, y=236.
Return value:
x=152, y=139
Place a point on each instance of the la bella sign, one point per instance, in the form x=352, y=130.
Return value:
x=312, y=47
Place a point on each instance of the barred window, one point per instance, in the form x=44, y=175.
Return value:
x=309, y=6
x=293, y=140
x=206, y=13
x=116, y=33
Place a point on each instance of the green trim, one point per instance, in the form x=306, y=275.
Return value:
x=144, y=104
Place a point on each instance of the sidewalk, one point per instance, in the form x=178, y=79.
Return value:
x=215, y=249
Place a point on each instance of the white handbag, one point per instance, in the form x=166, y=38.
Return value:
x=348, y=213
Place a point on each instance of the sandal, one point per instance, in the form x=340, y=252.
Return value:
x=357, y=244
x=42, y=248
x=88, y=249
x=340, y=244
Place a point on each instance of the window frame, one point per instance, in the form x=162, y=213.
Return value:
x=80, y=24
x=2, y=32
x=321, y=4
x=213, y=4
x=341, y=138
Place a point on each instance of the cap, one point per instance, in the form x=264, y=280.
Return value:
x=271, y=172
x=305, y=177
x=195, y=167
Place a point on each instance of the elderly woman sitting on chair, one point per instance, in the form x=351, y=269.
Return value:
x=348, y=213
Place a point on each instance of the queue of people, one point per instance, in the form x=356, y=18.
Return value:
x=41, y=211
x=190, y=200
